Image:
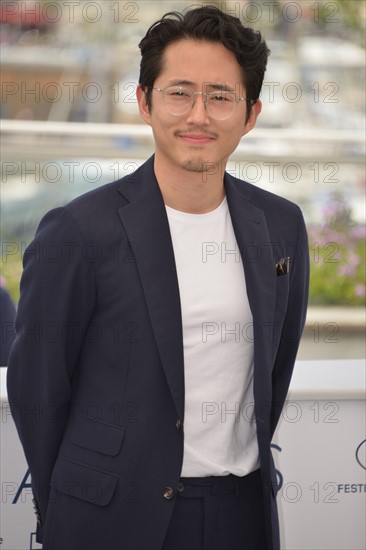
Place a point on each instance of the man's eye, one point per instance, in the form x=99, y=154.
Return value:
x=178, y=93
x=221, y=97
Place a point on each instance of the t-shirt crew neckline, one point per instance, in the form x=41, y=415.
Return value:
x=198, y=218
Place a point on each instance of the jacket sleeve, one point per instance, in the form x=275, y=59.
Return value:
x=7, y=316
x=293, y=325
x=57, y=297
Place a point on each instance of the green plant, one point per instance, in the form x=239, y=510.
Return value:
x=337, y=255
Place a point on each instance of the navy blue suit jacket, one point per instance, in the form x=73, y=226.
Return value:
x=7, y=318
x=96, y=374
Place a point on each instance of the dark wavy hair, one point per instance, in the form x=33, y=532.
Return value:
x=210, y=24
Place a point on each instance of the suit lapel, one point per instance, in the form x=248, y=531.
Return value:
x=146, y=224
x=251, y=231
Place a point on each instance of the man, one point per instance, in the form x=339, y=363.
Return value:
x=159, y=321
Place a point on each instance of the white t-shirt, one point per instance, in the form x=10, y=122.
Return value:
x=219, y=426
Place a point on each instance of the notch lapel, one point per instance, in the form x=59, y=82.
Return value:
x=146, y=224
x=251, y=231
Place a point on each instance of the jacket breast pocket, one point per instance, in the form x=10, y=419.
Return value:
x=282, y=291
x=283, y=280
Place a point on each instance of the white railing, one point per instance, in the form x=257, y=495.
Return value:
x=44, y=139
x=137, y=130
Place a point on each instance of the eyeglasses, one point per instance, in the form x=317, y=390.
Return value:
x=219, y=104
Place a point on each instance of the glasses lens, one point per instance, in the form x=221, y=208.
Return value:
x=221, y=104
x=178, y=100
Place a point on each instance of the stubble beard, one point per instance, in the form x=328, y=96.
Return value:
x=196, y=165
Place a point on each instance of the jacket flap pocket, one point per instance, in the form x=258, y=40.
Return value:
x=98, y=436
x=83, y=482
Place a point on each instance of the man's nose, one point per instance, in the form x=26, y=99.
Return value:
x=198, y=113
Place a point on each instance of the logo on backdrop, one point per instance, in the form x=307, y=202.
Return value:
x=278, y=473
x=361, y=454
x=33, y=544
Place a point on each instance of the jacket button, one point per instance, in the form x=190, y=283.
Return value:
x=168, y=493
x=178, y=424
x=180, y=487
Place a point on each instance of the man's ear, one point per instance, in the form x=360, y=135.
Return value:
x=254, y=113
x=143, y=108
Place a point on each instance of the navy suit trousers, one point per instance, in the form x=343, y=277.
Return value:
x=218, y=513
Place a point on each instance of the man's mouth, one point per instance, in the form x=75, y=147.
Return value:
x=196, y=139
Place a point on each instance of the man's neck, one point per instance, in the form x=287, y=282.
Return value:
x=191, y=192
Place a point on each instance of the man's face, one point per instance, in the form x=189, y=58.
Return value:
x=195, y=141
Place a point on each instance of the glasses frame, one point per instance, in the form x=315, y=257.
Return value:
x=207, y=96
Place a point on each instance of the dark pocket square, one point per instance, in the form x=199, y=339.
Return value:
x=283, y=266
